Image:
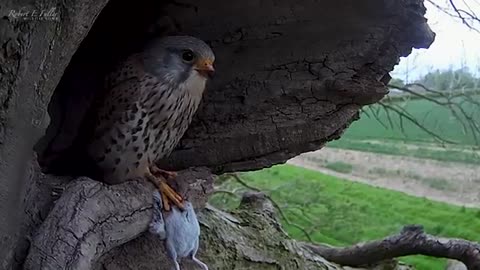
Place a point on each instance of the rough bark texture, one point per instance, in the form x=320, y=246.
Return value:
x=291, y=76
x=33, y=56
x=91, y=218
x=89, y=223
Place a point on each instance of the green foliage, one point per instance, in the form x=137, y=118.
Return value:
x=450, y=80
x=341, y=212
x=339, y=166
x=397, y=82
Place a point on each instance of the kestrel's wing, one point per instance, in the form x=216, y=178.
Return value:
x=125, y=89
x=130, y=109
x=132, y=67
x=119, y=110
x=120, y=102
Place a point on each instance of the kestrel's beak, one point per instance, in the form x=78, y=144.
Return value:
x=205, y=67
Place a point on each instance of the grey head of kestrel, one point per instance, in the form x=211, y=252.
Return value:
x=150, y=102
x=179, y=59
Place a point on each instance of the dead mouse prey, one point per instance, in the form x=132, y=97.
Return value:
x=180, y=231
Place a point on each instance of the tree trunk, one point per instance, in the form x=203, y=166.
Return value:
x=95, y=226
x=291, y=76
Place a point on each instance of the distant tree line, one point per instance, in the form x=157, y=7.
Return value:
x=445, y=80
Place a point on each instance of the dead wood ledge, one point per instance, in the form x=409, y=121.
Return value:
x=95, y=226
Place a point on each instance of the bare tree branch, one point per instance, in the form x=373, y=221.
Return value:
x=402, y=113
x=468, y=18
x=239, y=180
x=465, y=16
x=412, y=240
x=446, y=100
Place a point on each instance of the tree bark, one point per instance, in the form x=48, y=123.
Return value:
x=96, y=226
x=33, y=56
x=291, y=76
x=91, y=218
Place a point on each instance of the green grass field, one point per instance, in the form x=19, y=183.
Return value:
x=341, y=212
x=402, y=148
x=435, y=118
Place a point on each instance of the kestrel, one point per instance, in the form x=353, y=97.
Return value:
x=149, y=104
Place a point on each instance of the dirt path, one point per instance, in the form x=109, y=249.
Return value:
x=454, y=183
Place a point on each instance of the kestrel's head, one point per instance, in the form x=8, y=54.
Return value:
x=178, y=58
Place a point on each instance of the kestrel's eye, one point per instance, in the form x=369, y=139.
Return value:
x=188, y=56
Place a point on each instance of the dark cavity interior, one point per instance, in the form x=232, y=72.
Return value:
x=121, y=29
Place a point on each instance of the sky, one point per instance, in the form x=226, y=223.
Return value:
x=455, y=45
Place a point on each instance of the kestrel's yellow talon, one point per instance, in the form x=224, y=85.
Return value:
x=171, y=195
x=178, y=197
x=166, y=204
x=168, y=193
x=169, y=174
